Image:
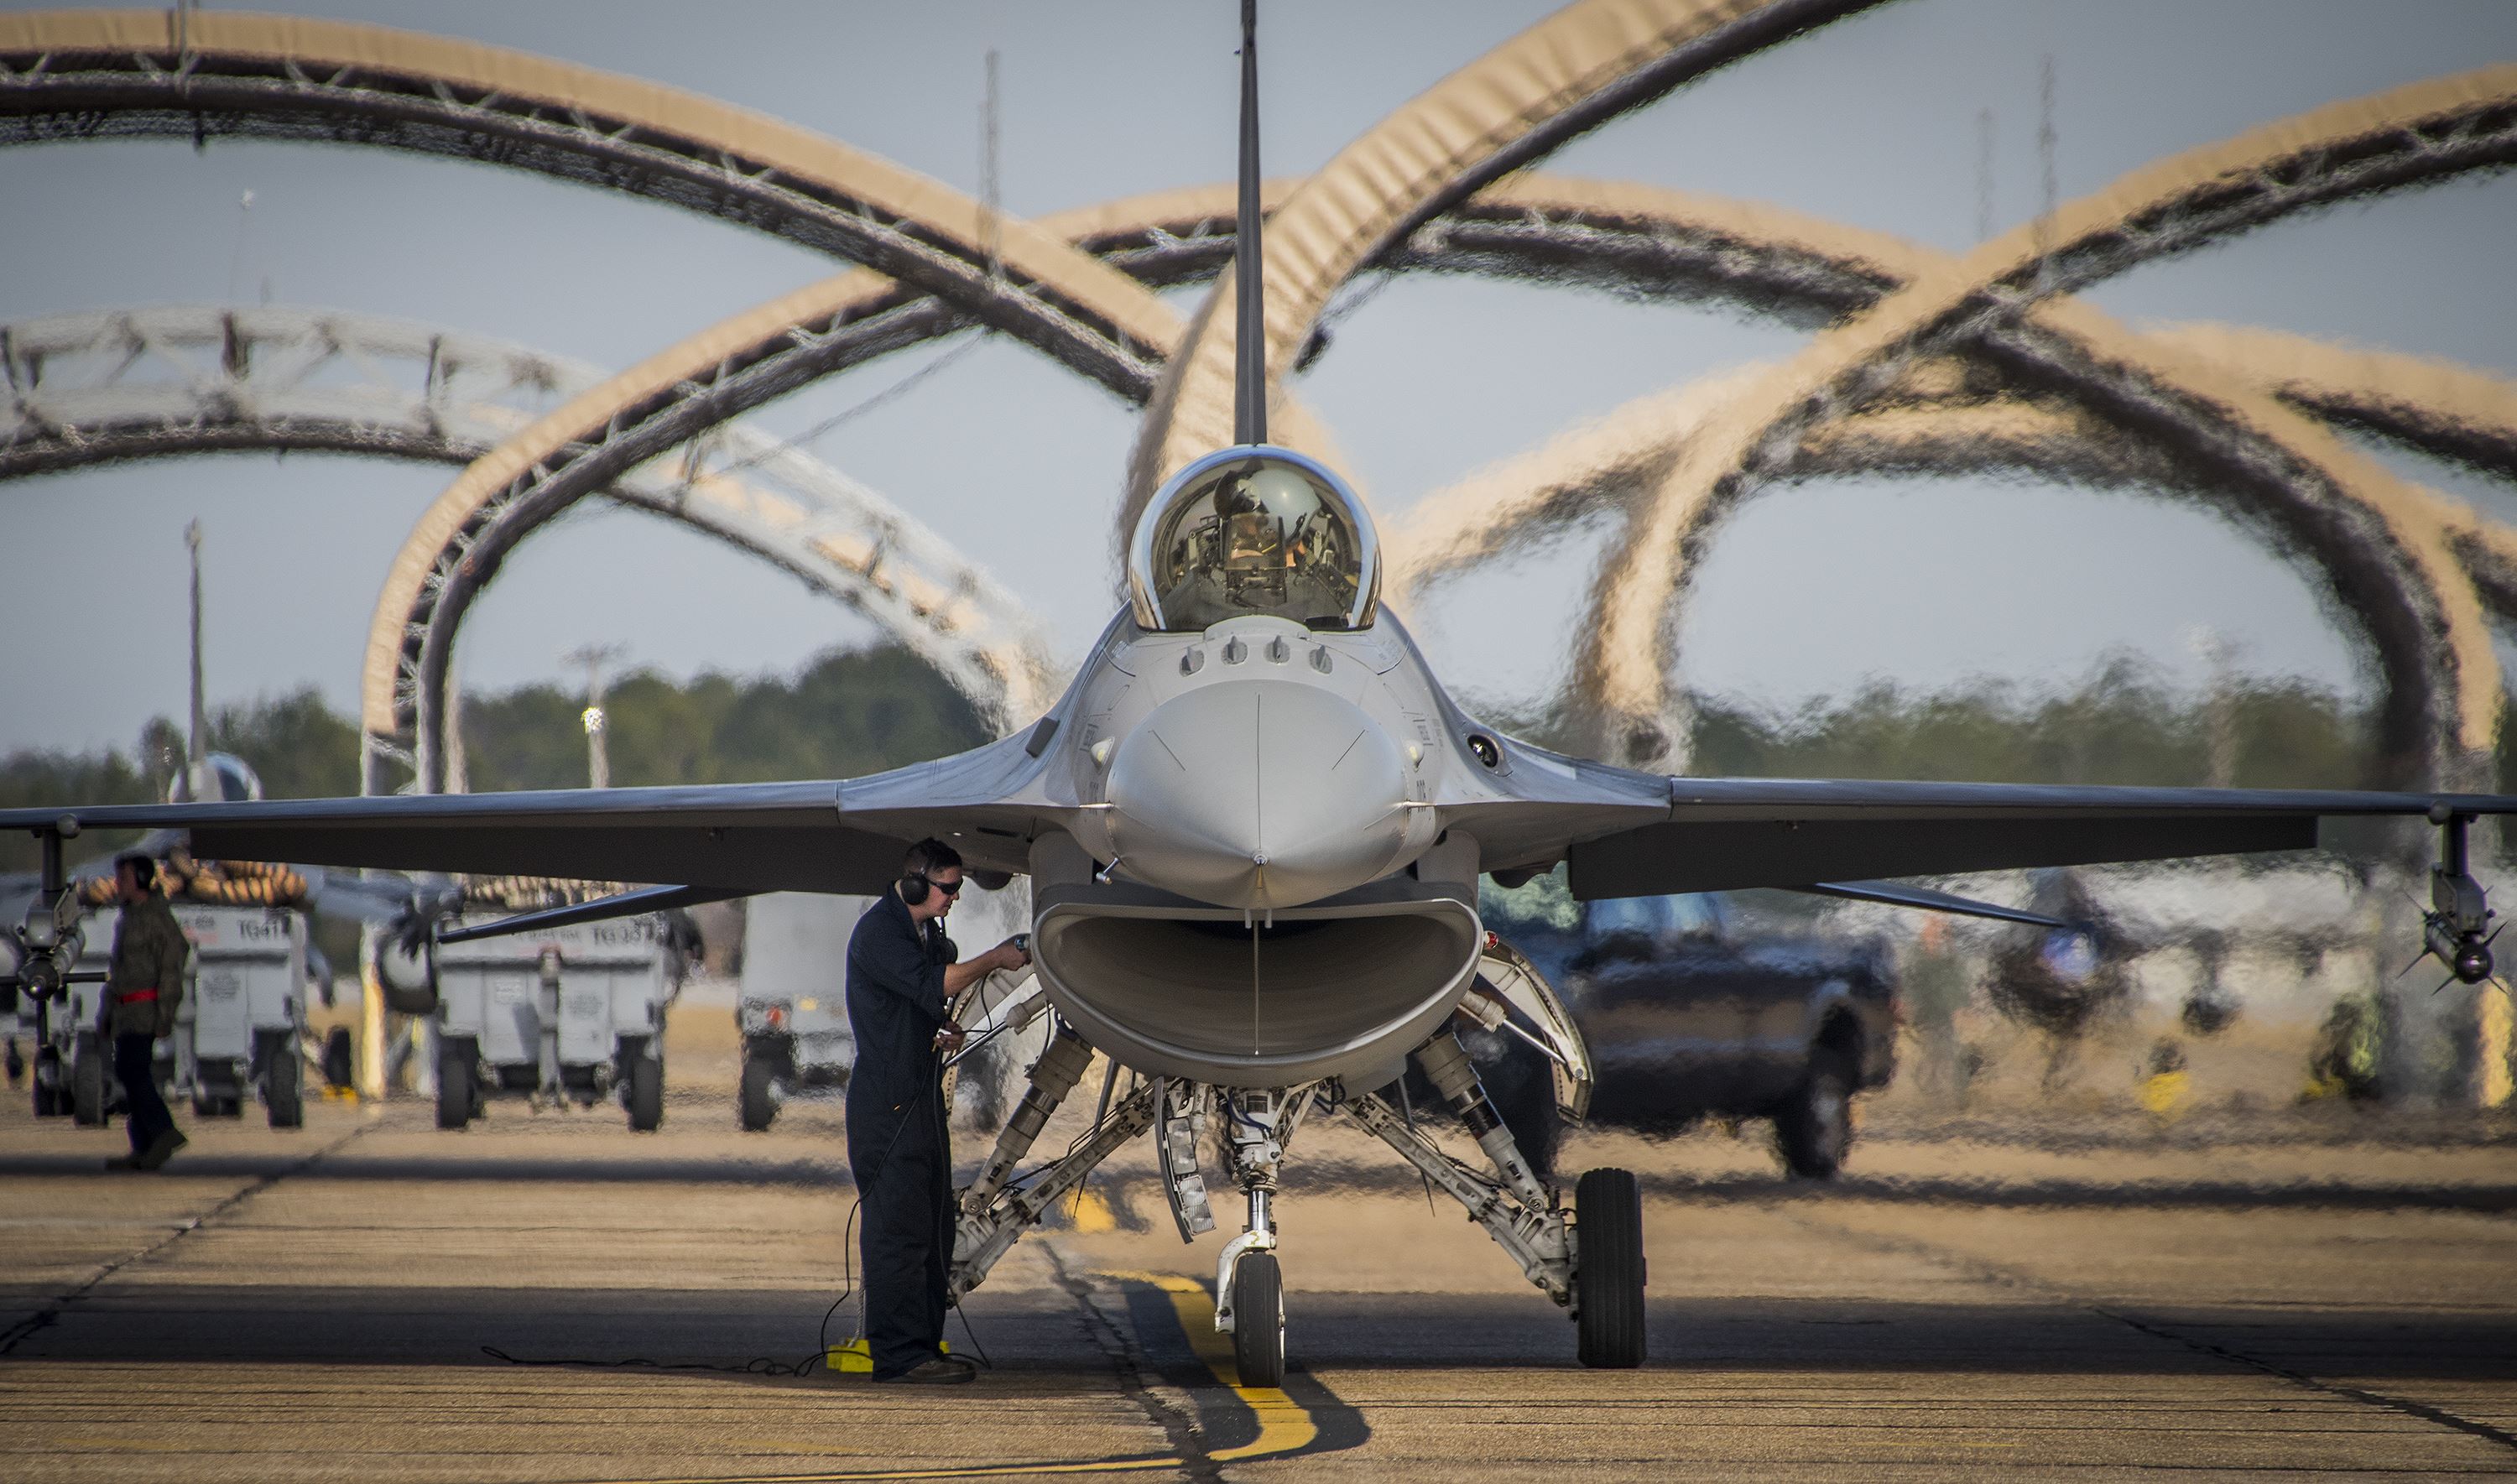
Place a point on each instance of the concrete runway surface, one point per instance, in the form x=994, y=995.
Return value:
x=2305, y=1297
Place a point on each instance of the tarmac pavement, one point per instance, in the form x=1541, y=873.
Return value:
x=316, y=1305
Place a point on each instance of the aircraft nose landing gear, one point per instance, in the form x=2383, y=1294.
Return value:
x=1249, y=1285
x=1249, y=1298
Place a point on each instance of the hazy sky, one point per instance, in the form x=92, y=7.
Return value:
x=1810, y=590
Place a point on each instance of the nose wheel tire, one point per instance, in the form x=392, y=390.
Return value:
x=1608, y=1219
x=1259, y=1320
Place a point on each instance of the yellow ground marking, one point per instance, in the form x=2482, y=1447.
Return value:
x=1092, y=1214
x=1283, y=1425
x=2497, y=1022
x=2165, y=1094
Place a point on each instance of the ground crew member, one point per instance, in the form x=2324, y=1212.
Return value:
x=901, y=983
x=142, y=987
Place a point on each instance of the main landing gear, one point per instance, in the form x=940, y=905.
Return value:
x=1587, y=1259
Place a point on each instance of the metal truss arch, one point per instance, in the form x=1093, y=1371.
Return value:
x=194, y=74
x=1657, y=242
x=1635, y=239
x=100, y=387
x=678, y=399
x=88, y=389
x=1569, y=73
x=1518, y=225
x=2418, y=133
x=1628, y=237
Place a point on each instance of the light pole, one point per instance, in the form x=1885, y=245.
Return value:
x=197, y=737
x=598, y=762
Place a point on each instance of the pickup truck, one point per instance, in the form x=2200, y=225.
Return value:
x=1690, y=1015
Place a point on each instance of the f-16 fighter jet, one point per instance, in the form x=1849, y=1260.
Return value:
x=1254, y=828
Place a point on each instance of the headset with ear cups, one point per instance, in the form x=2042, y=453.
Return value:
x=913, y=887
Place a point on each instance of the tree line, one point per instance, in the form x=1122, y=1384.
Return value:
x=856, y=712
x=844, y=712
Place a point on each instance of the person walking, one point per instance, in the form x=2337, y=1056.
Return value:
x=143, y=987
x=901, y=983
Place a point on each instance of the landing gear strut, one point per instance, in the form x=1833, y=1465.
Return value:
x=1589, y=1260
x=1598, y=1277
x=1249, y=1285
x=993, y=1212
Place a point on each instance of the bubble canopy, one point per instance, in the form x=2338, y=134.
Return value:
x=1254, y=529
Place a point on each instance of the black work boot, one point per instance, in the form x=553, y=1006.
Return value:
x=941, y=1371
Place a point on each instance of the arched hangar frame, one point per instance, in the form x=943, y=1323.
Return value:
x=96, y=388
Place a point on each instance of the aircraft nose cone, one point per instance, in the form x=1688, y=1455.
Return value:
x=1257, y=793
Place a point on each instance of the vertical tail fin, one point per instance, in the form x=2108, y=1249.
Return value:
x=1250, y=323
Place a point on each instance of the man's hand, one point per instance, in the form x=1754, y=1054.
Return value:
x=1010, y=954
x=949, y=1038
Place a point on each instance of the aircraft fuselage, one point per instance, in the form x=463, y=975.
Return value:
x=1257, y=891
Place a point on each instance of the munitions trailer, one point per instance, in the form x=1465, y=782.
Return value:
x=564, y=1013
x=240, y=1029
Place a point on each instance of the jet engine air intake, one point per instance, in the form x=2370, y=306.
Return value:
x=1340, y=989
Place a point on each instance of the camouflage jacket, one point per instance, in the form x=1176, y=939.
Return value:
x=149, y=954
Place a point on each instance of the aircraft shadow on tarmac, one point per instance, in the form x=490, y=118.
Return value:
x=1034, y=1334
x=1127, y=1193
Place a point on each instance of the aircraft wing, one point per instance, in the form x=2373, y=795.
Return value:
x=1626, y=834
x=829, y=836
x=1726, y=833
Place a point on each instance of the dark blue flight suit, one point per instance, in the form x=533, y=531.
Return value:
x=898, y=1152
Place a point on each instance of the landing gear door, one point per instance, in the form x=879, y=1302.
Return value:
x=1526, y=989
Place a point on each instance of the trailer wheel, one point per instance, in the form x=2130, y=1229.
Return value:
x=87, y=1086
x=284, y=1083
x=457, y=1092
x=646, y=1092
x=757, y=1103
x=340, y=1059
x=1608, y=1212
x=1259, y=1320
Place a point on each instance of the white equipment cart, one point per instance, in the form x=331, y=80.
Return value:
x=564, y=1013
x=792, y=1008
x=240, y=1029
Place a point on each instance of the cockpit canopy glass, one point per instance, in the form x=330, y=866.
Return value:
x=1254, y=530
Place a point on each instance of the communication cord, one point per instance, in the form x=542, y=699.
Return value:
x=766, y=1365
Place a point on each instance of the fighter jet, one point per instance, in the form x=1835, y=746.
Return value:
x=1254, y=828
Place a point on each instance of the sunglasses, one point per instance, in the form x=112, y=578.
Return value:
x=951, y=888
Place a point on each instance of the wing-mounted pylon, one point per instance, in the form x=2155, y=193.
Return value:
x=2456, y=929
